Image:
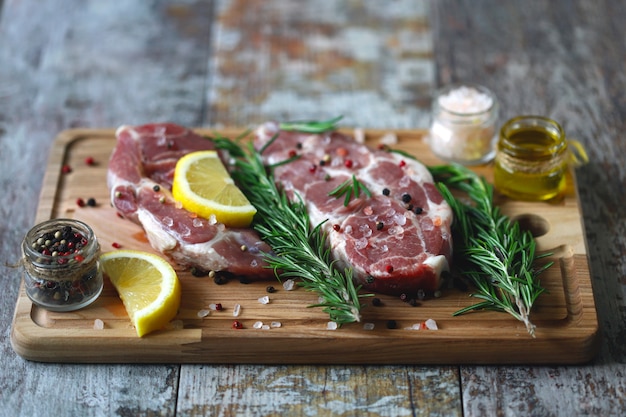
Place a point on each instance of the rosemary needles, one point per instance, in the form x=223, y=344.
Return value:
x=349, y=188
x=493, y=252
x=312, y=126
x=300, y=251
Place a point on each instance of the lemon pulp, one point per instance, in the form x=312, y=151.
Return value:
x=147, y=285
x=203, y=186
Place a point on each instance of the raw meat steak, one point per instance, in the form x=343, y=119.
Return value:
x=398, y=241
x=140, y=174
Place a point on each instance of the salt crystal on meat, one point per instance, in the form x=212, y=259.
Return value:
x=145, y=156
x=417, y=247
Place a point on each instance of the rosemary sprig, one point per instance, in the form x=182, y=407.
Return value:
x=348, y=188
x=494, y=253
x=300, y=251
x=311, y=126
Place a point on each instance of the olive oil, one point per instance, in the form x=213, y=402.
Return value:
x=531, y=159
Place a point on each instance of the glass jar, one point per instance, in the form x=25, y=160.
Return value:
x=61, y=265
x=531, y=160
x=463, y=127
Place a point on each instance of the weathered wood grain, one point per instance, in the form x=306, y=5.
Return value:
x=288, y=60
x=560, y=59
x=98, y=64
x=76, y=76
x=305, y=391
x=74, y=63
x=565, y=316
x=295, y=60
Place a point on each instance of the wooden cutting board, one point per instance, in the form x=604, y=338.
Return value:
x=565, y=316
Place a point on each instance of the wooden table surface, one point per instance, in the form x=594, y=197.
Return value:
x=97, y=64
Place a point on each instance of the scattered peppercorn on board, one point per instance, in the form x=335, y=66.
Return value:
x=565, y=316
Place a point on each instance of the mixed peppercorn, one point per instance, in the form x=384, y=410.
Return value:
x=61, y=244
x=61, y=266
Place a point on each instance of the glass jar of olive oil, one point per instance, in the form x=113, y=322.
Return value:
x=531, y=159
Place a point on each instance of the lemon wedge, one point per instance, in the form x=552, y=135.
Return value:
x=203, y=186
x=147, y=285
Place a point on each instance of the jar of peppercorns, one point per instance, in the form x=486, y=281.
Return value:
x=61, y=265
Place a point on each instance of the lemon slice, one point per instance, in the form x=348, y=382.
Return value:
x=203, y=186
x=147, y=285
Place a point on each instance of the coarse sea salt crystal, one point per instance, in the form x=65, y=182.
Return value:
x=388, y=213
x=405, y=181
x=431, y=324
x=197, y=223
x=258, y=325
x=465, y=100
x=276, y=324
x=265, y=327
x=389, y=139
x=98, y=324
x=360, y=243
x=396, y=230
x=203, y=313
x=368, y=326
x=289, y=285
x=399, y=219
x=359, y=135
x=331, y=325
x=185, y=231
x=236, y=310
x=176, y=325
x=264, y=300
x=212, y=219
x=162, y=140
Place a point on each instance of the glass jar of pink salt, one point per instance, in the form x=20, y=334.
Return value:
x=463, y=126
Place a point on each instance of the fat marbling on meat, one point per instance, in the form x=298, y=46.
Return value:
x=140, y=175
x=396, y=241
